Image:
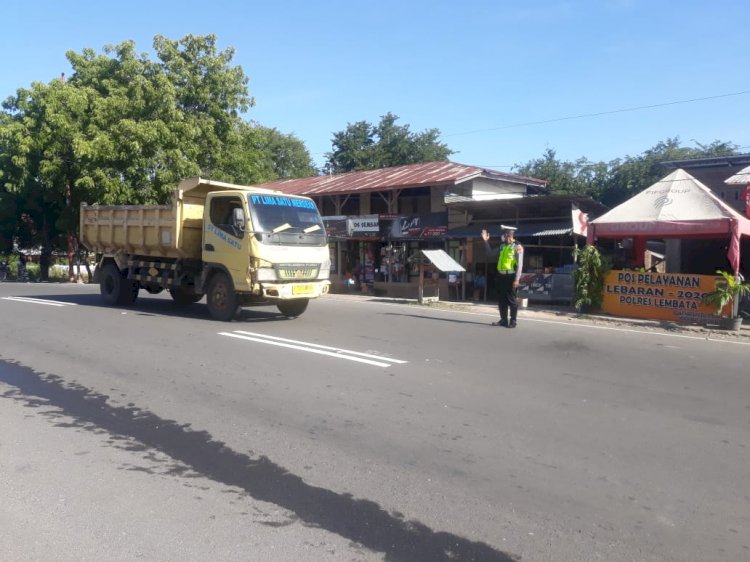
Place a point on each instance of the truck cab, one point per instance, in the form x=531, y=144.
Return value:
x=272, y=247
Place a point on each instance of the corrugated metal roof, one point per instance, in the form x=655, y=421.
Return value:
x=740, y=178
x=398, y=177
x=552, y=232
x=453, y=198
x=552, y=228
x=441, y=260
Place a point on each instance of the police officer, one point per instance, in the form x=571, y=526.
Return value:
x=509, y=268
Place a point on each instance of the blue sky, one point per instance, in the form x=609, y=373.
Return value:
x=479, y=71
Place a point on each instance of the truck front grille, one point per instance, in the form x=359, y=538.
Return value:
x=297, y=271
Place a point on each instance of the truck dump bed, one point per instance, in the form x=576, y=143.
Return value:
x=169, y=231
x=147, y=230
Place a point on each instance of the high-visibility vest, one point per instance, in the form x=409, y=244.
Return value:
x=506, y=261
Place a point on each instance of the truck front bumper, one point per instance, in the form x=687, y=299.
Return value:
x=286, y=291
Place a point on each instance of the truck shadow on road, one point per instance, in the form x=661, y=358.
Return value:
x=358, y=520
x=158, y=306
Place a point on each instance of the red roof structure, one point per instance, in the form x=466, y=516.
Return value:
x=442, y=173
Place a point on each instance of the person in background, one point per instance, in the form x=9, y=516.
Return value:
x=509, y=269
x=480, y=282
x=453, y=286
x=357, y=273
x=469, y=281
x=22, y=274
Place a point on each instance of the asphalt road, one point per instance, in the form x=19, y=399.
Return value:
x=363, y=430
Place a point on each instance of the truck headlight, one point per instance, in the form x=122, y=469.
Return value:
x=262, y=270
x=266, y=274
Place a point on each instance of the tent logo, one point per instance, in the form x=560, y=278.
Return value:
x=662, y=201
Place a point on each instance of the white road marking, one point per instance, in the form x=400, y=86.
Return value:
x=336, y=352
x=39, y=301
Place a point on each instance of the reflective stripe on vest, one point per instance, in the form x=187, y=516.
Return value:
x=506, y=261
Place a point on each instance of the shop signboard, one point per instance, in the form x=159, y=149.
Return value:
x=336, y=227
x=427, y=226
x=659, y=296
x=363, y=226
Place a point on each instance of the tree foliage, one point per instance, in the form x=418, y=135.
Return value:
x=588, y=278
x=616, y=181
x=364, y=146
x=124, y=129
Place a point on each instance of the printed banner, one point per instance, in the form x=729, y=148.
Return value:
x=432, y=225
x=659, y=296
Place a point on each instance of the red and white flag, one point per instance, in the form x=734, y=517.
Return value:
x=580, y=222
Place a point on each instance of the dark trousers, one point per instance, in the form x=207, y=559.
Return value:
x=506, y=296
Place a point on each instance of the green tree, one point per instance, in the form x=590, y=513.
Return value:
x=286, y=155
x=124, y=129
x=614, y=182
x=363, y=146
x=633, y=174
x=581, y=177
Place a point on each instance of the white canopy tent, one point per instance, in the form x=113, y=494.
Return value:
x=677, y=206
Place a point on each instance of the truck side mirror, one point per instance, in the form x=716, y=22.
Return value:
x=238, y=217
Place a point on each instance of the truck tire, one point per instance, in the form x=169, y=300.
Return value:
x=110, y=282
x=183, y=295
x=116, y=290
x=292, y=308
x=128, y=292
x=221, y=298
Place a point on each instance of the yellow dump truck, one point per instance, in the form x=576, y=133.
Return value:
x=237, y=245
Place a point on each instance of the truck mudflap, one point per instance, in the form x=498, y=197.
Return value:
x=302, y=290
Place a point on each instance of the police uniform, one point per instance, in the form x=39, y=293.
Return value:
x=509, y=268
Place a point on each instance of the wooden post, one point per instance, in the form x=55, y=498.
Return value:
x=421, y=281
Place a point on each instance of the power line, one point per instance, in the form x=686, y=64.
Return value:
x=584, y=115
x=591, y=165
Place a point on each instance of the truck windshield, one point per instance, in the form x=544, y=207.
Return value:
x=285, y=219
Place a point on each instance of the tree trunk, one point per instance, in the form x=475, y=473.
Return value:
x=89, y=276
x=71, y=257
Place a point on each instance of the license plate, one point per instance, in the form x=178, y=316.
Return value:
x=302, y=289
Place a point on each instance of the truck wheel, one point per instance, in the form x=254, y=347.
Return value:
x=110, y=284
x=183, y=295
x=221, y=299
x=292, y=308
x=116, y=290
x=128, y=292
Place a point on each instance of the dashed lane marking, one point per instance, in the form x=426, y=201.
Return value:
x=39, y=301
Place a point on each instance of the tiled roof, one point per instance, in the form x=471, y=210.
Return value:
x=398, y=177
